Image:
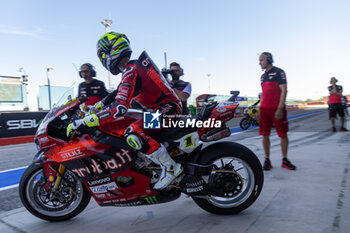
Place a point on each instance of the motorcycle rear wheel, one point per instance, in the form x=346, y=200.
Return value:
x=246, y=164
x=37, y=201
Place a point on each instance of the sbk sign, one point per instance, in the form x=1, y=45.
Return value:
x=17, y=124
x=22, y=124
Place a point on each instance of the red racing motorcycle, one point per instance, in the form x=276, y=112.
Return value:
x=222, y=177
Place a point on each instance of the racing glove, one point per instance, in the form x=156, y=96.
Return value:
x=97, y=107
x=89, y=121
x=70, y=101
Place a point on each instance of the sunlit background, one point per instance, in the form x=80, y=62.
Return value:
x=216, y=42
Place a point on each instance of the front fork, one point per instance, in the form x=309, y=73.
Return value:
x=60, y=174
x=249, y=120
x=51, y=173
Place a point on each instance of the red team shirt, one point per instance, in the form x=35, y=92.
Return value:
x=95, y=91
x=271, y=91
x=335, y=99
x=270, y=98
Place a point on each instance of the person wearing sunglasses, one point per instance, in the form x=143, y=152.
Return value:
x=92, y=88
x=181, y=88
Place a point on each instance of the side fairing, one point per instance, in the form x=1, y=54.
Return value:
x=101, y=164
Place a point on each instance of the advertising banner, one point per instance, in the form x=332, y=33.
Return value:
x=16, y=124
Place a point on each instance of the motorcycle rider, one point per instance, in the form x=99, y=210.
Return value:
x=141, y=83
x=254, y=106
x=251, y=115
x=257, y=102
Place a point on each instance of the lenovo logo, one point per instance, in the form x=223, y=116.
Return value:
x=99, y=181
x=21, y=124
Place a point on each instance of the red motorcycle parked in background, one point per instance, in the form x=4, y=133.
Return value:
x=222, y=178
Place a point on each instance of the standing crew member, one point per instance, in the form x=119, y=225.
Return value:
x=92, y=88
x=335, y=104
x=182, y=89
x=272, y=109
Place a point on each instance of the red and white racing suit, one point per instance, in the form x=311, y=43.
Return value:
x=143, y=85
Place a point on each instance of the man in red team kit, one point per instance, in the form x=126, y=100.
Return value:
x=272, y=109
x=335, y=104
x=143, y=86
x=92, y=88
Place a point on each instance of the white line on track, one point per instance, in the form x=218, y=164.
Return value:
x=13, y=169
x=9, y=187
x=12, y=148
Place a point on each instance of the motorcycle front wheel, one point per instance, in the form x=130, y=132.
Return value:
x=245, y=123
x=68, y=201
x=240, y=176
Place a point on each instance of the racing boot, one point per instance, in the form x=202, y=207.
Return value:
x=170, y=169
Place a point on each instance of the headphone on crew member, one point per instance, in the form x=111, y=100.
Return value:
x=269, y=57
x=91, y=68
x=336, y=80
x=178, y=65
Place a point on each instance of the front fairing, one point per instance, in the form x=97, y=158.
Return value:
x=56, y=112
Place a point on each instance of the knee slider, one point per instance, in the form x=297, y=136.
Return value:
x=134, y=141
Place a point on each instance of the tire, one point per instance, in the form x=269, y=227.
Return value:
x=245, y=123
x=30, y=186
x=247, y=196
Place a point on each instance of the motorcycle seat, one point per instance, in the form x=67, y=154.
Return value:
x=170, y=134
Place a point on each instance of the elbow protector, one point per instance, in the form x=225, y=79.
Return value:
x=119, y=110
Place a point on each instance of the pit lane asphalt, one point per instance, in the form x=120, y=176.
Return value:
x=315, y=198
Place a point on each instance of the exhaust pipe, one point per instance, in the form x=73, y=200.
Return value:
x=216, y=134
